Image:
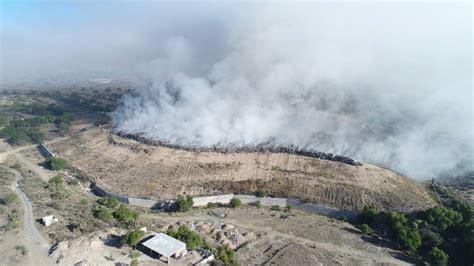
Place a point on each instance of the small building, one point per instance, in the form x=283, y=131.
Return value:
x=48, y=220
x=164, y=245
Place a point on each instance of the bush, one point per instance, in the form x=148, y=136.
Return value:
x=211, y=205
x=442, y=217
x=288, y=208
x=276, y=208
x=56, y=185
x=13, y=220
x=108, y=202
x=22, y=250
x=257, y=204
x=366, y=230
x=124, y=214
x=437, y=257
x=9, y=198
x=226, y=255
x=396, y=226
x=103, y=214
x=16, y=166
x=183, y=204
x=410, y=239
x=235, y=202
x=134, y=262
x=191, y=239
x=132, y=238
x=56, y=163
x=368, y=215
x=260, y=193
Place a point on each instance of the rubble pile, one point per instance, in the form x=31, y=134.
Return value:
x=264, y=147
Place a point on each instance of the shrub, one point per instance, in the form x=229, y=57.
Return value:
x=133, y=237
x=183, y=204
x=366, y=230
x=396, y=226
x=124, y=214
x=56, y=185
x=368, y=215
x=442, y=217
x=108, y=202
x=191, y=239
x=56, y=163
x=275, y=208
x=226, y=255
x=9, y=198
x=260, y=193
x=288, y=208
x=103, y=214
x=235, y=202
x=134, y=262
x=257, y=204
x=437, y=257
x=211, y=205
x=22, y=250
x=13, y=220
x=16, y=166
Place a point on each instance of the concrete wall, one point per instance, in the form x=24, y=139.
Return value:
x=45, y=151
x=225, y=199
x=203, y=201
x=264, y=201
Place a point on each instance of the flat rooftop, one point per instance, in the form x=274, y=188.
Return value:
x=164, y=244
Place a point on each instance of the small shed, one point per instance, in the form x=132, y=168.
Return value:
x=48, y=220
x=165, y=246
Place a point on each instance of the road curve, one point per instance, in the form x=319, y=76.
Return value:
x=37, y=245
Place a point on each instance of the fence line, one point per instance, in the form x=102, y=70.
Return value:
x=312, y=208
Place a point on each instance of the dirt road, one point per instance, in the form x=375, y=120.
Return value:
x=35, y=242
x=4, y=155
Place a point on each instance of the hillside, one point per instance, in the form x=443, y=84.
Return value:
x=131, y=168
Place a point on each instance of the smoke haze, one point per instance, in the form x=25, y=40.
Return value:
x=385, y=83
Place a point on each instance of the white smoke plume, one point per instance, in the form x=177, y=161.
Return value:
x=389, y=84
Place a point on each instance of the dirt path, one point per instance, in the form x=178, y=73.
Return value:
x=330, y=247
x=35, y=242
x=4, y=155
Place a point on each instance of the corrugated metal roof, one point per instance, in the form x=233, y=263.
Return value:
x=164, y=244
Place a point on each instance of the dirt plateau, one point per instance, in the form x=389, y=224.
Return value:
x=131, y=168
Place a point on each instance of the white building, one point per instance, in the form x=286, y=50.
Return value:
x=48, y=220
x=165, y=246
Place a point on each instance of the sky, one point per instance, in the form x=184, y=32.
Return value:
x=383, y=82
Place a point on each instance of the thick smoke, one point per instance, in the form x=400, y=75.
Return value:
x=388, y=84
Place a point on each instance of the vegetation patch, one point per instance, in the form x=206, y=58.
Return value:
x=183, y=204
x=191, y=239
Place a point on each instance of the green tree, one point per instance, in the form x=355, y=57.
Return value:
x=366, y=230
x=235, y=202
x=260, y=193
x=108, y=202
x=437, y=257
x=183, y=204
x=191, y=239
x=124, y=214
x=103, y=214
x=368, y=214
x=226, y=255
x=442, y=217
x=56, y=163
x=133, y=237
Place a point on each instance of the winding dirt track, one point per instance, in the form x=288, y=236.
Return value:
x=36, y=244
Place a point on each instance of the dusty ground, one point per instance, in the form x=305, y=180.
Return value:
x=135, y=169
x=260, y=236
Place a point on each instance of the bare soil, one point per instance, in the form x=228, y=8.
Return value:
x=131, y=168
